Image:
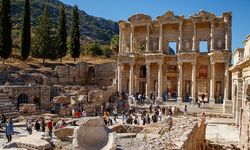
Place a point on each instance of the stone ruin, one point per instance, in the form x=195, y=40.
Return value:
x=92, y=134
x=187, y=133
x=80, y=83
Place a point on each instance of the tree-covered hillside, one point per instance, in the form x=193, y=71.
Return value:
x=91, y=28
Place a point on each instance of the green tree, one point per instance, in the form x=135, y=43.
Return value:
x=26, y=37
x=6, y=40
x=114, y=43
x=44, y=39
x=75, y=35
x=107, y=51
x=62, y=35
x=93, y=49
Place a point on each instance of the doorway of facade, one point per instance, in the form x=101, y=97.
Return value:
x=22, y=98
x=142, y=87
x=203, y=89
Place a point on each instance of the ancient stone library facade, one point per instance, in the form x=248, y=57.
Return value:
x=241, y=92
x=178, y=56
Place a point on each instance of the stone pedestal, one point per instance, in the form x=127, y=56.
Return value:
x=227, y=107
x=92, y=134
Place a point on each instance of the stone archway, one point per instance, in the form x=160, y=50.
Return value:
x=247, y=91
x=21, y=99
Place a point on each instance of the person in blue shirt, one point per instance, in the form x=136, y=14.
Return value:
x=9, y=130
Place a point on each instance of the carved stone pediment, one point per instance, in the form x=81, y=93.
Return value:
x=169, y=17
x=139, y=18
x=203, y=16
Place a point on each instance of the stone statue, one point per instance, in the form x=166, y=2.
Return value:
x=219, y=44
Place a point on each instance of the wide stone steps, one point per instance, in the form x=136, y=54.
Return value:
x=7, y=106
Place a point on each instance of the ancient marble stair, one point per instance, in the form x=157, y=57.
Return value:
x=7, y=106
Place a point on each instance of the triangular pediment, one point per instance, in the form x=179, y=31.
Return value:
x=139, y=17
x=203, y=16
x=169, y=17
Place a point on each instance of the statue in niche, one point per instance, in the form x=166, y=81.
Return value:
x=219, y=44
x=187, y=45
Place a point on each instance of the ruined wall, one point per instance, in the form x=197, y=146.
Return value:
x=105, y=73
x=84, y=74
x=245, y=128
x=32, y=92
x=196, y=139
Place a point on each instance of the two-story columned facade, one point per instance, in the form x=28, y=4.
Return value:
x=241, y=92
x=175, y=56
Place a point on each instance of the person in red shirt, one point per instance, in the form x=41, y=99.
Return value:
x=50, y=127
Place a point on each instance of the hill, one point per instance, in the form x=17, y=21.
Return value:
x=91, y=27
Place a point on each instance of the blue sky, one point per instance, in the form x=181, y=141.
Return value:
x=122, y=9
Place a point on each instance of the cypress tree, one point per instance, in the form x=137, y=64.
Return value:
x=62, y=35
x=26, y=39
x=44, y=39
x=6, y=40
x=75, y=35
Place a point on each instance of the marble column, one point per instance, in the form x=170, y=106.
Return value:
x=194, y=37
x=227, y=104
x=226, y=84
x=227, y=33
x=161, y=38
x=179, y=82
x=180, y=36
x=132, y=39
x=131, y=79
x=212, y=83
x=119, y=77
x=147, y=38
x=159, y=81
x=212, y=36
x=238, y=100
x=148, y=81
x=193, y=80
x=120, y=39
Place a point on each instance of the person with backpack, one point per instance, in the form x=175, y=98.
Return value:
x=9, y=130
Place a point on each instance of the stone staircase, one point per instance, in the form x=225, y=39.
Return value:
x=7, y=106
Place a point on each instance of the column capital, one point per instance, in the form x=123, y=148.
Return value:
x=212, y=63
x=131, y=63
x=120, y=64
x=179, y=63
x=194, y=63
x=160, y=63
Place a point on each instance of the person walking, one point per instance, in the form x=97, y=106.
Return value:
x=50, y=127
x=2, y=119
x=43, y=124
x=9, y=130
x=160, y=115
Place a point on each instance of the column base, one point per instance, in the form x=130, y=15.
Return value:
x=211, y=101
x=179, y=99
x=227, y=106
x=159, y=98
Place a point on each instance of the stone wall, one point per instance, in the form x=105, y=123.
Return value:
x=196, y=138
x=245, y=127
x=84, y=74
x=32, y=92
x=105, y=73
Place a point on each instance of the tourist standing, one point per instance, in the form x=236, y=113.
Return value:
x=170, y=121
x=203, y=99
x=9, y=130
x=43, y=124
x=160, y=115
x=185, y=109
x=29, y=125
x=84, y=114
x=37, y=125
x=2, y=119
x=50, y=127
